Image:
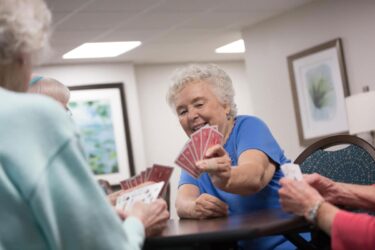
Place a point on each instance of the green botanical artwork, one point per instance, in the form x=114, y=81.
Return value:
x=94, y=122
x=322, y=98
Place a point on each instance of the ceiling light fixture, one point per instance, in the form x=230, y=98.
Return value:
x=233, y=47
x=100, y=50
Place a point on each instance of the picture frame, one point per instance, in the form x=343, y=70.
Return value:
x=100, y=115
x=319, y=86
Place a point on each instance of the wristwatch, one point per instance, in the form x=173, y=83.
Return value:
x=313, y=212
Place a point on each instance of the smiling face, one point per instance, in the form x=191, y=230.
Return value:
x=197, y=105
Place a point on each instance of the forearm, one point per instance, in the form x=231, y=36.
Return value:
x=248, y=179
x=358, y=196
x=185, y=207
x=325, y=216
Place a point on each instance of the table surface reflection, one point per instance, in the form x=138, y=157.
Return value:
x=226, y=229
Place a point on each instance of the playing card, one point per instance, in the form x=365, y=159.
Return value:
x=186, y=157
x=205, y=135
x=145, y=194
x=187, y=152
x=133, y=182
x=191, y=170
x=148, y=172
x=143, y=176
x=215, y=137
x=138, y=180
x=195, y=149
x=161, y=173
x=196, y=139
x=292, y=171
x=193, y=152
x=184, y=160
x=124, y=184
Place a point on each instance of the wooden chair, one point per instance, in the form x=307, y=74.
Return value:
x=342, y=158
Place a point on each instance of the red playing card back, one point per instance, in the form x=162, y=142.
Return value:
x=161, y=173
x=124, y=184
x=186, y=161
x=193, y=152
x=148, y=172
x=196, y=139
x=214, y=137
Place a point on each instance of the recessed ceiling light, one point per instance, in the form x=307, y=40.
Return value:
x=99, y=50
x=233, y=47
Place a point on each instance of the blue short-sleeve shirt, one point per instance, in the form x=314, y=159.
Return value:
x=249, y=132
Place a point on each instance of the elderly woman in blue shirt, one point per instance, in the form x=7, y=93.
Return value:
x=240, y=175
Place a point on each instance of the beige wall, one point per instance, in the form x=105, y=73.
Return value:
x=269, y=43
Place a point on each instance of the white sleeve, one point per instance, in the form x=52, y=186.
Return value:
x=135, y=230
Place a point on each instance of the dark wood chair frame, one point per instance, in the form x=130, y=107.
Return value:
x=319, y=238
x=334, y=141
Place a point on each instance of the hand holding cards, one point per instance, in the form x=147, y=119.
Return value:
x=196, y=147
x=292, y=171
x=146, y=194
x=157, y=175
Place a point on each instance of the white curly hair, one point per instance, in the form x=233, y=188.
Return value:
x=24, y=28
x=24, y=35
x=210, y=73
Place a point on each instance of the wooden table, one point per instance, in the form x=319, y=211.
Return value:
x=227, y=230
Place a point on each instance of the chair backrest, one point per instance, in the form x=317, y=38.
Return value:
x=352, y=164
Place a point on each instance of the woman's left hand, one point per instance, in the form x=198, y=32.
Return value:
x=297, y=196
x=217, y=164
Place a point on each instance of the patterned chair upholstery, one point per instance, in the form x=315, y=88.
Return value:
x=353, y=162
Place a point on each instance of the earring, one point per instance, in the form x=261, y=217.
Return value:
x=228, y=116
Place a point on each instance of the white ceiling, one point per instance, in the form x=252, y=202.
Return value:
x=170, y=30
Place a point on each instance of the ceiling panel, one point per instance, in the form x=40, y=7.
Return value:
x=130, y=35
x=170, y=30
x=188, y=5
x=67, y=5
x=89, y=21
x=157, y=20
x=260, y=5
x=122, y=5
x=74, y=36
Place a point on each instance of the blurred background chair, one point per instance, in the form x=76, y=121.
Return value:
x=342, y=158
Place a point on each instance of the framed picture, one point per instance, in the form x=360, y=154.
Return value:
x=319, y=87
x=99, y=112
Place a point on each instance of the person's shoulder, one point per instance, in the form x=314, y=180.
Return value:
x=249, y=120
x=32, y=111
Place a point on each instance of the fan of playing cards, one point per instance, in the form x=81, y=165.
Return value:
x=157, y=175
x=195, y=149
x=146, y=194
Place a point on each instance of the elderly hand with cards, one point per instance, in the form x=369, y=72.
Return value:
x=140, y=197
x=296, y=195
x=228, y=160
x=315, y=197
x=142, y=202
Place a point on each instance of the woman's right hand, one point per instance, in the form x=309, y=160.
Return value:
x=326, y=187
x=154, y=216
x=208, y=206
